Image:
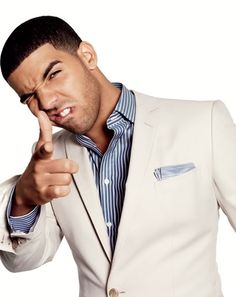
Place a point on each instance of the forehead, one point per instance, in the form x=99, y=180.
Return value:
x=27, y=74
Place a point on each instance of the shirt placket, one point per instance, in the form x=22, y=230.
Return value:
x=109, y=185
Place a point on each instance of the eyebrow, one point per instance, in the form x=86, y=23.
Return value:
x=24, y=97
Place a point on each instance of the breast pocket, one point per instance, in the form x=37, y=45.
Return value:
x=165, y=172
x=180, y=199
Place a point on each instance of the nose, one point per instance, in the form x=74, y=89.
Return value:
x=47, y=98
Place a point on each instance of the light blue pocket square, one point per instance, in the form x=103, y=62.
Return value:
x=172, y=170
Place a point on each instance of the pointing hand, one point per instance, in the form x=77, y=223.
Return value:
x=45, y=178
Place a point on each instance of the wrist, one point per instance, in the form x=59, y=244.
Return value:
x=19, y=206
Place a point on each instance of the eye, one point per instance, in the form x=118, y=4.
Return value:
x=53, y=74
x=28, y=100
x=25, y=99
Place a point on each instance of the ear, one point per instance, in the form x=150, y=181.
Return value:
x=88, y=55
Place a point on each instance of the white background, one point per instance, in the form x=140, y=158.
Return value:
x=175, y=49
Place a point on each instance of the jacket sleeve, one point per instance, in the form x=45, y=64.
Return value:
x=224, y=159
x=21, y=251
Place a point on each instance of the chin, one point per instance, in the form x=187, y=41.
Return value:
x=73, y=129
x=77, y=128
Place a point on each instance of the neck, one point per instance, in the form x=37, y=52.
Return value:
x=109, y=96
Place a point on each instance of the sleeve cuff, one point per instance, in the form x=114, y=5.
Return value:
x=23, y=223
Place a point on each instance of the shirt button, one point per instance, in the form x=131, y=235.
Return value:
x=113, y=293
x=109, y=224
x=106, y=181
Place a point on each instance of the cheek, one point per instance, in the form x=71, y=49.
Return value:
x=68, y=88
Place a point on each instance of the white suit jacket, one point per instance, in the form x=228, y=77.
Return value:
x=182, y=169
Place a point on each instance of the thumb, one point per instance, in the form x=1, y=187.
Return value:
x=45, y=151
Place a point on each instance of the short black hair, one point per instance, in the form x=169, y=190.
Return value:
x=32, y=34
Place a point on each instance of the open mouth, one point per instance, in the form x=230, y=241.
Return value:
x=61, y=116
x=65, y=112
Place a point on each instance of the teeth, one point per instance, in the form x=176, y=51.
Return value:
x=65, y=112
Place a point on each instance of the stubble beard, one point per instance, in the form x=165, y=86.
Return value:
x=86, y=117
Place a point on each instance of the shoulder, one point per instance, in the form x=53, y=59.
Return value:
x=144, y=99
x=174, y=107
x=174, y=112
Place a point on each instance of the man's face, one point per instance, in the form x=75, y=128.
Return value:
x=62, y=85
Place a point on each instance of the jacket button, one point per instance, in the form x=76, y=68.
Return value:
x=14, y=244
x=113, y=293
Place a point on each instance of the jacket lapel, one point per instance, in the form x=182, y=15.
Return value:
x=144, y=131
x=85, y=184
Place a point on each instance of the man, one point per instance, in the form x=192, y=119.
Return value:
x=133, y=182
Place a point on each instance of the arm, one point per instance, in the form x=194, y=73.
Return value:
x=224, y=160
x=20, y=251
x=43, y=180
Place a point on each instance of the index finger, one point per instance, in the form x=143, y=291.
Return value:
x=45, y=128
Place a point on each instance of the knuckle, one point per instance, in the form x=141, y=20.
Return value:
x=67, y=165
x=73, y=166
x=67, y=179
x=66, y=190
x=63, y=191
x=37, y=167
x=40, y=195
x=37, y=182
x=55, y=192
x=51, y=193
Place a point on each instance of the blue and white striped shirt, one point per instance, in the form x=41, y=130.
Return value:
x=23, y=223
x=110, y=169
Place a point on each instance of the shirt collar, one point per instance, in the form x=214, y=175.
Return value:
x=125, y=107
x=126, y=103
